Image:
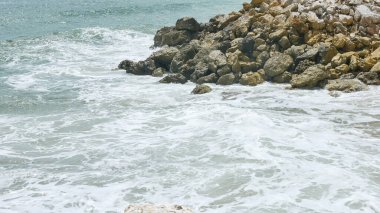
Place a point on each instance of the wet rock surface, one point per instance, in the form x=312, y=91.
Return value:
x=302, y=42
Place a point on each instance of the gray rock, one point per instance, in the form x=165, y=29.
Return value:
x=137, y=68
x=218, y=58
x=227, y=79
x=309, y=55
x=283, y=78
x=278, y=64
x=303, y=65
x=310, y=78
x=201, y=89
x=174, y=78
x=346, y=85
x=188, y=23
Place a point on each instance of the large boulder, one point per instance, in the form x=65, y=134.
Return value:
x=227, y=79
x=185, y=53
x=174, y=78
x=310, y=78
x=164, y=57
x=251, y=79
x=172, y=37
x=201, y=89
x=346, y=85
x=278, y=64
x=188, y=23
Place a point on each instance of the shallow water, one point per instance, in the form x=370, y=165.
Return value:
x=78, y=137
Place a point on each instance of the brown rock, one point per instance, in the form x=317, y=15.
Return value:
x=201, y=89
x=251, y=79
x=310, y=78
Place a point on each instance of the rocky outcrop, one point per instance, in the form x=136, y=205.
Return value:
x=302, y=42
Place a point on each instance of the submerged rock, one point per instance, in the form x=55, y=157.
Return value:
x=150, y=208
x=226, y=79
x=201, y=89
x=346, y=85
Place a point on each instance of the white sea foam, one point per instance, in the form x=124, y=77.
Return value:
x=108, y=139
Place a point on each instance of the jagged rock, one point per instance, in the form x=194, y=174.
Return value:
x=164, y=57
x=137, y=68
x=278, y=64
x=251, y=79
x=174, y=78
x=277, y=35
x=218, y=58
x=326, y=52
x=370, y=78
x=212, y=78
x=226, y=79
x=346, y=85
x=303, y=65
x=172, y=37
x=159, y=72
x=310, y=78
x=188, y=23
x=150, y=208
x=185, y=53
x=201, y=89
x=309, y=55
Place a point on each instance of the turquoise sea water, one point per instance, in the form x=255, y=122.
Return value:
x=76, y=136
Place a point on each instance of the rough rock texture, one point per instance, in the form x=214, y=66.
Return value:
x=150, y=208
x=251, y=79
x=277, y=65
x=201, y=89
x=310, y=78
x=346, y=85
x=174, y=78
x=304, y=42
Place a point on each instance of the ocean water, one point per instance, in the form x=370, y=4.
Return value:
x=78, y=136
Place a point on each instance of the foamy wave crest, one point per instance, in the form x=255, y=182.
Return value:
x=77, y=53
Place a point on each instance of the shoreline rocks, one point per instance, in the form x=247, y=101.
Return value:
x=309, y=44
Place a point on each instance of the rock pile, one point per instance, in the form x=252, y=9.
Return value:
x=326, y=43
